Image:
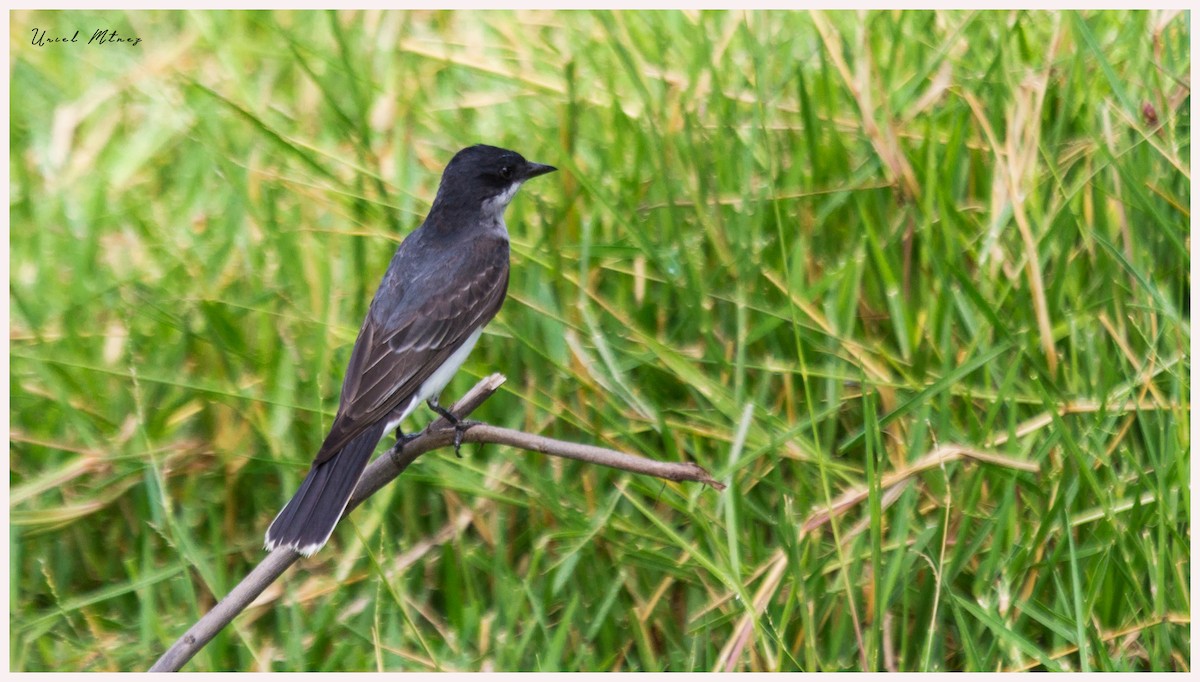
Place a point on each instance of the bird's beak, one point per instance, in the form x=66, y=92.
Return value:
x=532, y=170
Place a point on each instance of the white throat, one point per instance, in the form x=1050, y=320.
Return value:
x=496, y=205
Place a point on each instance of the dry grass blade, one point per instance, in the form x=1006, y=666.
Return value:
x=1176, y=618
x=936, y=458
x=860, y=85
x=732, y=651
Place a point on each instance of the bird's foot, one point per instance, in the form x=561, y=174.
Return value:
x=460, y=425
x=403, y=439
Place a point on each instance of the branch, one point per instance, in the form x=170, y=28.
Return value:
x=387, y=467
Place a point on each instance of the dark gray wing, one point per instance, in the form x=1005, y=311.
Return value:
x=411, y=330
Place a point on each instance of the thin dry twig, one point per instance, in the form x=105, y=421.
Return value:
x=388, y=466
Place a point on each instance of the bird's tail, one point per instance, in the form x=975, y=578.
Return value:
x=308, y=519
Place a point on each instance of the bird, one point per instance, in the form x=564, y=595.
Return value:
x=447, y=279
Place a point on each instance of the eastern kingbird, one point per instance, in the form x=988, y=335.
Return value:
x=446, y=281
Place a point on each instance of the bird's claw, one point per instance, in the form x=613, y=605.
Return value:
x=460, y=425
x=403, y=439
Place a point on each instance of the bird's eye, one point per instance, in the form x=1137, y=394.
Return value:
x=506, y=172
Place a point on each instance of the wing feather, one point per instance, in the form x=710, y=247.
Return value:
x=402, y=342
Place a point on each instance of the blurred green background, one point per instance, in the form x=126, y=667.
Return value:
x=915, y=285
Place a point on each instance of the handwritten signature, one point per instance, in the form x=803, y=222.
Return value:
x=99, y=37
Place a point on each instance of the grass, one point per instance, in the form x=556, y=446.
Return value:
x=914, y=285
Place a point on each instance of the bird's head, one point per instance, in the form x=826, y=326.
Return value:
x=485, y=178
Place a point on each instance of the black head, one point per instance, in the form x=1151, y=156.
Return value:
x=485, y=177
